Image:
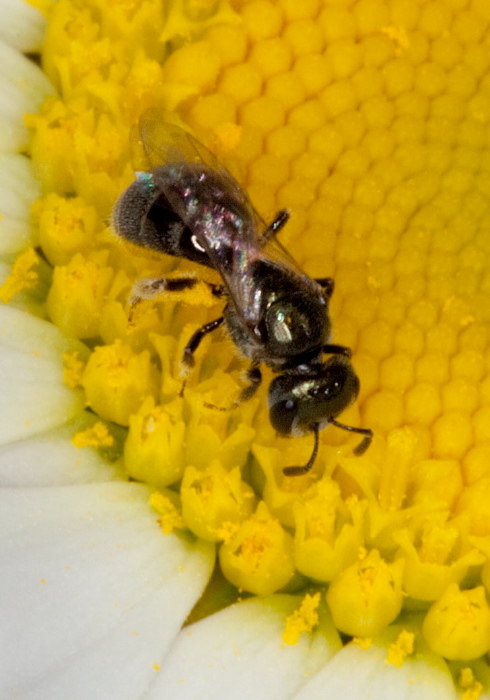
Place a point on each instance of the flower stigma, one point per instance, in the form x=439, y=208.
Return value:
x=369, y=120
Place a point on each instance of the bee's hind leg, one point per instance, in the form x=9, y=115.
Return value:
x=193, y=344
x=282, y=217
x=151, y=287
x=327, y=284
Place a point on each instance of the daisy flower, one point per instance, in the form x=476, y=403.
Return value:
x=152, y=545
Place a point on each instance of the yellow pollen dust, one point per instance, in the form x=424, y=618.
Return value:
x=170, y=517
x=72, y=370
x=302, y=620
x=24, y=276
x=472, y=688
x=400, y=649
x=97, y=436
x=363, y=642
x=437, y=544
x=369, y=122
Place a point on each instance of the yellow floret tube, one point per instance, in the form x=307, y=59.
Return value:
x=328, y=535
x=366, y=596
x=458, y=625
x=66, y=227
x=215, y=501
x=153, y=451
x=117, y=381
x=77, y=294
x=258, y=557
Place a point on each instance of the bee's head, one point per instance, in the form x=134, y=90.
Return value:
x=300, y=399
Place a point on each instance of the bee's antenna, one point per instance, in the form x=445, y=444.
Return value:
x=365, y=442
x=298, y=471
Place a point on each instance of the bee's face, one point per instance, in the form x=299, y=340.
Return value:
x=300, y=399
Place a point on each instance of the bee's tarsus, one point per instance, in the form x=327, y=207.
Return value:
x=188, y=358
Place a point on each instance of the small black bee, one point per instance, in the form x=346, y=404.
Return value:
x=184, y=203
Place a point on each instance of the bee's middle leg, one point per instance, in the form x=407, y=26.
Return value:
x=217, y=290
x=193, y=344
x=254, y=376
x=333, y=349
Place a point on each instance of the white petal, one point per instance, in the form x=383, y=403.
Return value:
x=22, y=26
x=92, y=593
x=18, y=189
x=364, y=674
x=239, y=654
x=33, y=396
x=51, y=459
x=23, y=87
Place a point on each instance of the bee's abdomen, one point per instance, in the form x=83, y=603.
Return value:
x=143, y=216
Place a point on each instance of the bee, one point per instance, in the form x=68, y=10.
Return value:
x=185, y=204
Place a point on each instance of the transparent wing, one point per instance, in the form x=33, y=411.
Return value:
x=232, y=251
x=156, y=142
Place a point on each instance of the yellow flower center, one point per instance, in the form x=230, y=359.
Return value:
x=369, y=120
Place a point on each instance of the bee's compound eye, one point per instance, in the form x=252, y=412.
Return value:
x=283, y=407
